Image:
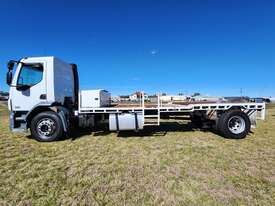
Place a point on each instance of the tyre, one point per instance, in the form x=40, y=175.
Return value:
x=46, y=127
x=234, y=124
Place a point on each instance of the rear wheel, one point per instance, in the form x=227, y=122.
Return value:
x=46, y=127
x=234, y=124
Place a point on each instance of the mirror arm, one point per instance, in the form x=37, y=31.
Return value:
x=16, y=62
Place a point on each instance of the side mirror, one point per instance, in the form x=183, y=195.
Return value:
x=10, y=65
x=9, y=78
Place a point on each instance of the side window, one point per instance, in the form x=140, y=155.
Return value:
x=30, y=75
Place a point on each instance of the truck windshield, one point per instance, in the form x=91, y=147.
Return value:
x=30, y=75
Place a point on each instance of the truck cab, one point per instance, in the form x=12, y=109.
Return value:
x=40, y=84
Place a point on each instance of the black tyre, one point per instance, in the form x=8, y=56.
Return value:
x=46, y=127
x=234, y=124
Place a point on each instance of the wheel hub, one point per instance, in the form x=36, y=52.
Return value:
x=46, y=127
x=236, y=124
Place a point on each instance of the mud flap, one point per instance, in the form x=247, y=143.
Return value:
x=63, y=120
x=253, y=118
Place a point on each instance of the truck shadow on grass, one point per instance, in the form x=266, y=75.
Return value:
x=159, y=130
x=146, y=132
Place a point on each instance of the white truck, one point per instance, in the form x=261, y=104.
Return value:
x=45, y=98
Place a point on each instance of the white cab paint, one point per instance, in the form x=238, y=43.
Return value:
x=57, y=82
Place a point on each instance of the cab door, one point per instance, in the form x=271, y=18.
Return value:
x=30, y=86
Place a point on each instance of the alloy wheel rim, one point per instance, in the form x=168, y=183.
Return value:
x=236, y=124
x=46, y=127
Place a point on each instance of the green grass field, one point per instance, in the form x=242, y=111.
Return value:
x=182, y=166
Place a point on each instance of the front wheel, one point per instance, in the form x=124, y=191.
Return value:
x=46, y=127
x=234, y=124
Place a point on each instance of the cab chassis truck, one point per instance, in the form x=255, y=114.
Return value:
x=45, y=98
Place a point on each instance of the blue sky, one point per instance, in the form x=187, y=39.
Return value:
x=213, y=47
